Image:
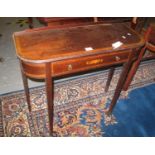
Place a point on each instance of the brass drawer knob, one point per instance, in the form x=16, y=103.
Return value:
x=117, y=58
x=69, y=67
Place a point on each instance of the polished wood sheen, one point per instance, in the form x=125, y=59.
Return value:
x=50, y=45
x=46, y=53
x=150, y=45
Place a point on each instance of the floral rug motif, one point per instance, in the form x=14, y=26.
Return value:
x=78, y=106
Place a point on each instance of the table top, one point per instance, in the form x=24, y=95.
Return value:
x=43, y=45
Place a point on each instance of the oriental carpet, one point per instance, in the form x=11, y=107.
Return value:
x=78, y=108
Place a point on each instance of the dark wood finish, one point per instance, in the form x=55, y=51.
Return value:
x=150, y=45
x=48, y=45
x=88, y=62
x=137, y=24
x=121, y=83
x=26, y=87
x=72, y=21
x=55, y=22
x=110, y=75
x=49, y=92
x=46, y=53
x=133, y=70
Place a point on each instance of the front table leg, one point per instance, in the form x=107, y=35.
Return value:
x=26, y=88
x=120, y=84
x=49, y=93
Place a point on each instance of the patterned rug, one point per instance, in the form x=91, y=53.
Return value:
x=78, y=102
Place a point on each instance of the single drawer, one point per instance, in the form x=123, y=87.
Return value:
x=88, y=62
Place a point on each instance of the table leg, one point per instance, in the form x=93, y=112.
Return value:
x=120, y=84
x=110, y=75
x=26, y=88
x=49, y=93
x=133, y=70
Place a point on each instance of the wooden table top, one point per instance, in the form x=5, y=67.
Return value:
x=57, y=44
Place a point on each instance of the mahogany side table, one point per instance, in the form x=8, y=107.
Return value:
x=46, y=53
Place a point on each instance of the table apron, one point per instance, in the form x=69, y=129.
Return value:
x=69, y=66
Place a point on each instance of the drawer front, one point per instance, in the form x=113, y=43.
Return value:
x=88, y=62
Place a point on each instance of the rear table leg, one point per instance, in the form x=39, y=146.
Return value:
x=110, y=75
